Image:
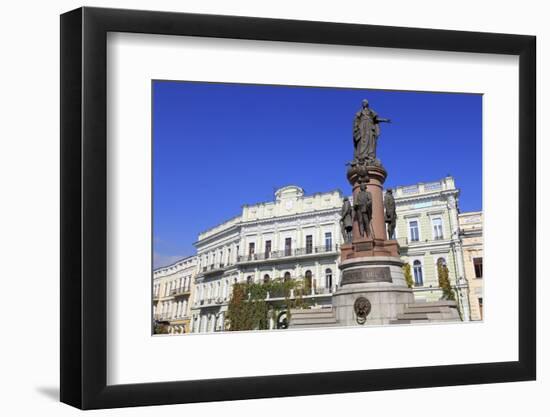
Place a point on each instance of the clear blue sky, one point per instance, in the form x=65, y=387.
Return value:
x=219, y=146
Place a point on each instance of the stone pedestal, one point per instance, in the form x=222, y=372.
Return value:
x=380, y=280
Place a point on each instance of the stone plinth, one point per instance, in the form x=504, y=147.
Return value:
x=380, y=280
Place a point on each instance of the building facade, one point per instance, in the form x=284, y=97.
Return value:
x=173, y=287
x=428, y=232
x=293, y=237
x=298, y=237
x=471, y=229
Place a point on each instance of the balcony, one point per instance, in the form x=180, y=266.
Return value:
x=214, y=268
x=169, y=317
x=178, y=292
x=288, y=253
x=405, y=241
x=211, y=302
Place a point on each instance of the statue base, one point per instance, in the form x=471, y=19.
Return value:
x=360, y=248
x=377, y=281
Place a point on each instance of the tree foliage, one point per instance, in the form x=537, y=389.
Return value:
x=408, y=274
x=444, y=283
x=250, y=308
x=160, y=328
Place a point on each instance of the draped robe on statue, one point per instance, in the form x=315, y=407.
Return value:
x=365, y=134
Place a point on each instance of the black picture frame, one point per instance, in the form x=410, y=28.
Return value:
x=84, y=207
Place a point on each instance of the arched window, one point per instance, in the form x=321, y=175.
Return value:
x=418, y=276
x=249, y=279
x=308, y=281
x=287, y=276
x=328, y=278
x=441, y=261
x=266, y=278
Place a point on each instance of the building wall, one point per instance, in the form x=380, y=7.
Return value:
x=225, y=255
x=173, y=287
x=471, y=225
x=434, y=208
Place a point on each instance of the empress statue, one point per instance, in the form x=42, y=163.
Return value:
x=366, y=130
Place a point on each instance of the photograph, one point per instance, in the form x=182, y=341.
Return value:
x=283, y=207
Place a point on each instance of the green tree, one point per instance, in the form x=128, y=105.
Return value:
x=160, y=328
x=250, y=309
x=444, y=283
x=408, y=275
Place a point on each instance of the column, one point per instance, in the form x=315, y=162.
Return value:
x=318, y=278
x=318, y=241
x=300, y=243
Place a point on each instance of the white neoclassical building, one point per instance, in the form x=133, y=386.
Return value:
x=172, y=292
x=294, y=236
x=298, y=236
x=428, y=230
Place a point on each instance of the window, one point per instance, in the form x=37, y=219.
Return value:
x=249, y=279
x=328, y=278
x=288, y=246
x=413, y=231
x=308, y=281
x=437, y=226
x=251, y=248
x=478, y=267
x=266, y=278
x=309, y=244
x=328, y=241
x=418, y=277
x=287, y=276
x=480, y=301
x=267, y=248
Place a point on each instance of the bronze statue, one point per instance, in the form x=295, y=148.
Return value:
x=390, y=215
x=363, y=210
x=346, y=220
x=366, y=130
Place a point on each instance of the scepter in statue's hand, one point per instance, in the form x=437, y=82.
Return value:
x=382, y=120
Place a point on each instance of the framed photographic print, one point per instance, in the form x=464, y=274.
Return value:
x=283, y=208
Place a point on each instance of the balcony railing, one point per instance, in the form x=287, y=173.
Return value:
x=168, y=316
x=285, y=253
x=181, y=290
x=214, y=268
x=405, y=241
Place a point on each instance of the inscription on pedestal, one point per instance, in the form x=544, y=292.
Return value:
x=364, y=246
x=375, y=274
